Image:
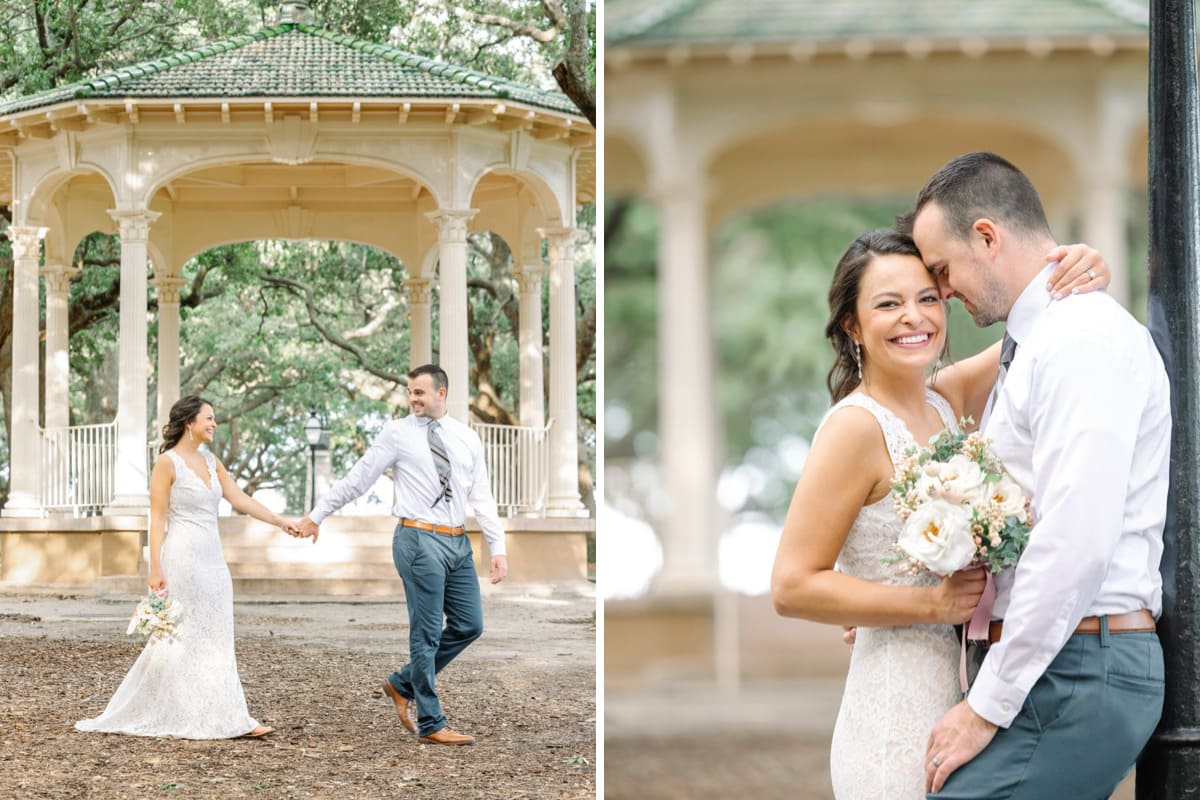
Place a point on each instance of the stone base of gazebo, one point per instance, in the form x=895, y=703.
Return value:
x=353, y=555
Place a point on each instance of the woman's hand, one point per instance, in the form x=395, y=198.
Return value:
x=157, y=584
x=956, y=596
x=1079, y=269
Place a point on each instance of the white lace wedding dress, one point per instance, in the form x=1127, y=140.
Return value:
x=187, y=687
x=901, y=679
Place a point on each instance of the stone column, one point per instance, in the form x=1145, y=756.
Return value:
x=533, y=387
x=687, y=422
x=24, y=487
x=452, y=308
x=131, y=492
x=564, y=436
x=420, y=321
x=167, y=288
x=1102, y=172
x=58, y=371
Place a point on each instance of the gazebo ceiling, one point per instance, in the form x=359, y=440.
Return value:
x=315, y=185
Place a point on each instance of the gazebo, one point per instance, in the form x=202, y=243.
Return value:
x=719, y=107
x=294, y=132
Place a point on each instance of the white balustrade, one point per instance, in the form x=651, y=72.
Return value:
x=78, y=465
x=77, y=468
x=518, y=464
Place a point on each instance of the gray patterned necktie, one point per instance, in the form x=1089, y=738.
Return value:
x=441, y=461
x=1008, y=350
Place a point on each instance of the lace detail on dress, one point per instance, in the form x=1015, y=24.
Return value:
x=901, y=679
x=187, y=687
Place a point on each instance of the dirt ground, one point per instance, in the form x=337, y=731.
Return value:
x=313, y=669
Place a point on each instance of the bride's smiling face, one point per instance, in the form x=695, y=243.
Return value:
x=204, y=426
x=901, y=319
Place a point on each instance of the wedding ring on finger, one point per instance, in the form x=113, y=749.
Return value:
x=1091, y=273
x=937, y=762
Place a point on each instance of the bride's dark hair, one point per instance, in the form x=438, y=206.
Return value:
x=184, y=411
x=843, y=301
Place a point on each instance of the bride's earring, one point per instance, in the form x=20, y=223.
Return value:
x=192, y=436
x=858, y=358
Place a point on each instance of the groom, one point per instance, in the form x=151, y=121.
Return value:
x=438, y=468
x=1072, y=685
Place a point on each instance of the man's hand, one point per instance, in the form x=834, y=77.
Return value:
x=958, y=737
x=499, y=568
x=308, y=528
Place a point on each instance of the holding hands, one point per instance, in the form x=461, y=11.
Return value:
x=299, y=530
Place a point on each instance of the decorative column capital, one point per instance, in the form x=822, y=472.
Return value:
x=559, y=242
x=27, y=240
x=58, y=277
x=420, y=290
x=168, y=288
x=529, y=278
x=134, y=223
x=452, y=223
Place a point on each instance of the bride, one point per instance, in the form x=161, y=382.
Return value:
x=188, y=687
x=888, y=327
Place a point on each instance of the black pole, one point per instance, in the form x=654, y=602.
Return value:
x=1170, y=766
x=312, y=469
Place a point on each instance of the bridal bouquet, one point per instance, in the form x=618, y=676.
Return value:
x=155, y=617
x=959, y=506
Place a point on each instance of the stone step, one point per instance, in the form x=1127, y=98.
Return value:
x=251, y=554
x=340, y=587
x=339, y=570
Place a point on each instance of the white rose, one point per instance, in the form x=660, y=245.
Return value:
x=938, y=534
x=929, y=486
x=964, y=478
x=1008, y=497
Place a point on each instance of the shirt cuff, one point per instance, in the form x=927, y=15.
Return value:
x=496, y=548
x=317, y=515
x=994, y=700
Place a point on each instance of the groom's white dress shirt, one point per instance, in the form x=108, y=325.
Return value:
x=1083, y=423
x=403, y=445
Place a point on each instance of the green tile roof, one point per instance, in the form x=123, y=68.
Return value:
x=699, y=22
x=295, y=60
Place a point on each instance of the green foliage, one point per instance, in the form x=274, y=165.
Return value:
x=49, y=43
x=630, y=328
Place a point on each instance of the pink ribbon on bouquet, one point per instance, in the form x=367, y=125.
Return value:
x=977, y=627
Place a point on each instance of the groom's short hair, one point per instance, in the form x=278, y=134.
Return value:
x=440, y=379
x=979, y=185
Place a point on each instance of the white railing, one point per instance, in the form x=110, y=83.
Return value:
x=518, y=464
x=78, y=465
x=77, y=468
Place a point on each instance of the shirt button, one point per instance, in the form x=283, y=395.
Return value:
x=1006, y=707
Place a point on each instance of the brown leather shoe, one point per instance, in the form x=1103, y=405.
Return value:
x=402, y=705
x=447, y=736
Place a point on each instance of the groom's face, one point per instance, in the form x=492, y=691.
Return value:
x=960, y=267
x=424, y=398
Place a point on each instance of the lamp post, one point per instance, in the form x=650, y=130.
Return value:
x=313, y=431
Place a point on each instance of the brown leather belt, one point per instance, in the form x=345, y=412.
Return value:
x=1141, y=621
x=459, y=530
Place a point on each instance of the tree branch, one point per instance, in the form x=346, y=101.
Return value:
x=497, y=21
x=314, y=317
